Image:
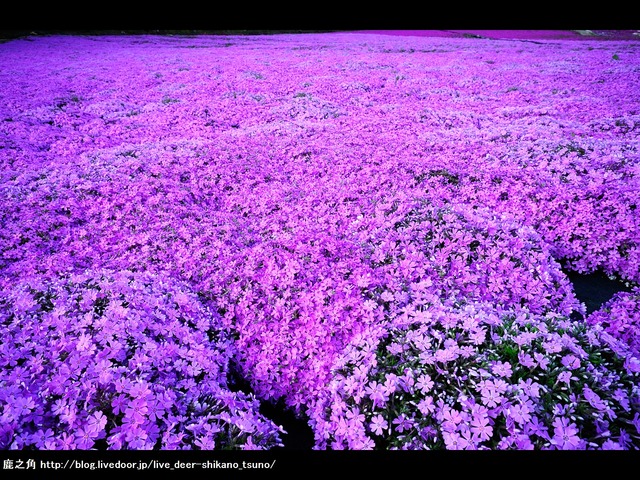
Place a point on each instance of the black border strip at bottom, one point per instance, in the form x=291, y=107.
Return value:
x=58, y=464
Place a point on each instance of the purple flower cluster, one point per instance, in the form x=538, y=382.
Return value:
x=463, y=377
x=465, y=362
x=119, y=361
x=620, y=317
x=372, y=229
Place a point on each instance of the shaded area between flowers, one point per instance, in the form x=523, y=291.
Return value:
x=595, y=289
x=297, y=435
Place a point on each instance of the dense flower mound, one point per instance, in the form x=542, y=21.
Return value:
x=119, y=361
x=620, y=317
x=457, y=251
x=276, y=202
x=294, y=307
x=306, y=300
x=465, y=376
x=587, y=215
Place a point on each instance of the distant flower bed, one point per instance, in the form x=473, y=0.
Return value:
x=371, y=229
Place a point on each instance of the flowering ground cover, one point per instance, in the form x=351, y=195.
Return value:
x=370, y=230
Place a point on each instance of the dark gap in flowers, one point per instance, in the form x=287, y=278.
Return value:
x=595, y=289
x=298, y=434
x=236, y=382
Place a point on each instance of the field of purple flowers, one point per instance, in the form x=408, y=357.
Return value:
x=372, y=230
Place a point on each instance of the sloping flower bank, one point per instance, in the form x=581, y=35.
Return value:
x=123, y=361
x=369, y=229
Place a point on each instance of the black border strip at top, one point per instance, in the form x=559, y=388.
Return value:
x=184, y=16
